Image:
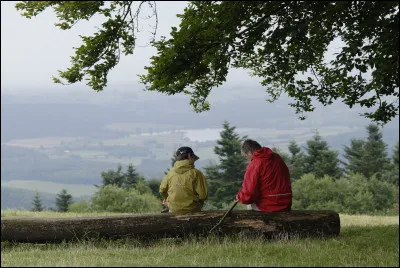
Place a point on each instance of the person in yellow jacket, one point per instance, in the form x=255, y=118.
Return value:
x=184, y=188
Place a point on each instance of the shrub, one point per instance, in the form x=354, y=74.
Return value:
x=353, y=194
x=80, y=206
x=114, y=199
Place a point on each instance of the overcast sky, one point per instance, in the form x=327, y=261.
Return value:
x=32, y=50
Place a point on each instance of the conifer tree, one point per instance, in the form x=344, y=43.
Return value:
x=375, y=159
x=37, y=203
x=354, y=155
x=63, y=200
x=395, y=156
x=131, y=177
x=320, y=160
x=225, y=178
x=297, y=161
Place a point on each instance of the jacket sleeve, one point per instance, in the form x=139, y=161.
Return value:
x=247, y=194
x=201, y=186
x=164, y=187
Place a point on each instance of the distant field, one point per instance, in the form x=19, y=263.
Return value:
x=172, y=139
x=50, y=187
x=143, y=127
x=46, y=142
x=179, y=138
x=103, y=157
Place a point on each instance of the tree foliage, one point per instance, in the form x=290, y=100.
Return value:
x=282, y=42
x=111, y=177
x=369, y=156
x=354, y=194
x=128, y=179
x=225, y=178
x=320, y=160
x=354, y=155
x=115, y=199
x=132, y=178
x=395, y=156
x=37, y=203
x=63, y=200
x=297, y=161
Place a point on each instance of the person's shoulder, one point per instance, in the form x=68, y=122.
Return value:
x=197, y=172
x=169, y=173
x=255, y=163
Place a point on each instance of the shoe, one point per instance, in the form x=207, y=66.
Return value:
x=165, y=210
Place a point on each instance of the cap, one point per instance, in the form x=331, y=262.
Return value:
x=186, y=150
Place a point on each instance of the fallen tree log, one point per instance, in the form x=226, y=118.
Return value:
x=150, y=226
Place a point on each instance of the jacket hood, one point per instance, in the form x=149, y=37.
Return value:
x=182, y=166
x=263, y=152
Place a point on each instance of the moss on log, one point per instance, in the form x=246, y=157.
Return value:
x=150, y=226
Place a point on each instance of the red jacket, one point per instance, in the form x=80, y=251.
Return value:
x=266, y=182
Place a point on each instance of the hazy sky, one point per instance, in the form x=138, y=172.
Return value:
x=32, y=50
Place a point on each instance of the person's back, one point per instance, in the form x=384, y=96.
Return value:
x=184, y=187
x=274, y=181
x=266, y=185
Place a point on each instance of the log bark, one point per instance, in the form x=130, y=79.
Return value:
x=150, y=226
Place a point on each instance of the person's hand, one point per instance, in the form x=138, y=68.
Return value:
x=236, y=198
x=165, y=203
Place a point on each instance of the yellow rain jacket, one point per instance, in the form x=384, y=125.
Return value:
x=184, y=187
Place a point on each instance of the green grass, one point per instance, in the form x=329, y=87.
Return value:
x=364, y=241
x=356, y=246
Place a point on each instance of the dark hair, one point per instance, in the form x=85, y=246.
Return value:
x=250, y=146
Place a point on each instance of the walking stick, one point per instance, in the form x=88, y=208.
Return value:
x=224, y=216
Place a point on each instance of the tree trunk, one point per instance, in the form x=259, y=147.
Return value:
x=149, y=226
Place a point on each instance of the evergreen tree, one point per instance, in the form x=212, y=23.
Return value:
x=395, y=156
x=131, y=177
x=154, y=185
x=63, y=200
x=112, y=177
x=375, y=159
x=225, y=179
x=285, y=157
x=354, y=155
x=297, y=161
x=37, y=203
x=320, y=160
x=392, y=175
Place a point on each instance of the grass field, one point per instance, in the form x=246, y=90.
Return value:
x=364, y=241
x=46, y=142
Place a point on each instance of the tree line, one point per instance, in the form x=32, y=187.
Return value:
x=366, y=181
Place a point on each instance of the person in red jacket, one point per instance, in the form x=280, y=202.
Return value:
x=266, y=185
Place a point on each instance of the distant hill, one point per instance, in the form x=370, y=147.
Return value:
x=18, y=198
